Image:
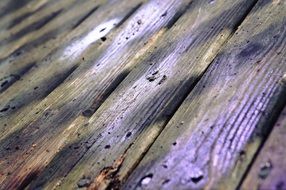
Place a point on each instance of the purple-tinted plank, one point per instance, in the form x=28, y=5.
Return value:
x=269, y=169
x=215, y=133
x=119, y=133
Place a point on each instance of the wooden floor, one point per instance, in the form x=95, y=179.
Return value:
x=143, y=94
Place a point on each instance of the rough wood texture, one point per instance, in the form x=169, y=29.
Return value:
x=33, y=48
x=88, y=87
x=132, y=117
x=55, y=22
x=139, y=94
x=212, y=137
x=269, y=169
x=46, y=75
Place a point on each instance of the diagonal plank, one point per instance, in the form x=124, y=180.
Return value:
x=13, y=9
x=268, y=171
x=215, y=133
x=140, y=107
x=54, y=23
x=48, y=74
x=87, y=87
x=16, y=65
x=27, y=20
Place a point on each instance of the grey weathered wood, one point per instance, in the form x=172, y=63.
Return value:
x=83, y=92
x=269, y=168
x=79, y=48
x=11, y=10
x=54, y=22
x=35, y=10
x=139, y=108
x=215, y=133
x=16, y=65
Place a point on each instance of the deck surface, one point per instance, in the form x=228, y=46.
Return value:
x=143, y=94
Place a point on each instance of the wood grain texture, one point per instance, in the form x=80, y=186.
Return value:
x=53, y=23
x=215, y=133
x=139, y=108
x=81, y=94
x=33, y=52
x=269, y=169
x=142, y=94
x=83, y=47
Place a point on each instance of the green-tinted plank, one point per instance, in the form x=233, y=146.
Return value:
x=16, y=65
x=82, y=93
x=215, y=133
x=49, y=73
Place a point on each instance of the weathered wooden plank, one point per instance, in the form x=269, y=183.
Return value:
x=50, y=25
x=87, y=87
x=42, y=79
x=215, y=133
x=12, y=9
x=42, y=10
x=12, y=68
x=140, y=107
x=138, y=110
x=269, y=168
